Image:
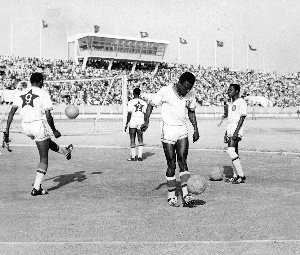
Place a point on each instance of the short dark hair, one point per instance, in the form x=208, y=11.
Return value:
x=137, y=91
x=36, y=78
x=237, y=87
x=187, y=76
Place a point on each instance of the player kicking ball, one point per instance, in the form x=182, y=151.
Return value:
x=135, y=118
x=175, y=100
x=237, y=112
x=32, y=101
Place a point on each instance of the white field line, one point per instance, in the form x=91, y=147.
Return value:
x=162, y=242
x=160, y=148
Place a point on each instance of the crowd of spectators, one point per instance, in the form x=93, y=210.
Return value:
x=68, y=83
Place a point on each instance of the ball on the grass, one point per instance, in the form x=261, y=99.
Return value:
x=72, y=111
x=196, y=184
x=216, y=174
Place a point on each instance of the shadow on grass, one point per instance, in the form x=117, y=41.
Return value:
x=65, y=179
x=178, y=193
x=228, y=171
x=148, y=154
x=197, y=202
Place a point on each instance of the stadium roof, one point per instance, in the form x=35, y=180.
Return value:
x=79, y=36
x=116, y=47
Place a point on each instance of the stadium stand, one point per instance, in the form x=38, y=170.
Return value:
x=211, y=83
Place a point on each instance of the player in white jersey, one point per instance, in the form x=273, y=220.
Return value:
x=135, y=118
x=237, y=112
x=176, y=100
x=32, y=102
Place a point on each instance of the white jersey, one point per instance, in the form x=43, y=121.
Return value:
x=137, y=107
x=173, y=106
x=32, y=102
x=235, y=110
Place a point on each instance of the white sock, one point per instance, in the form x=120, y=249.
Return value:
x=238, y=167
x=140, y=151
x=171, y=183
x=38, y=180
x=133, y=152
x=184, y=191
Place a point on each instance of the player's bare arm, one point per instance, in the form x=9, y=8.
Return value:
x=240, y=124
x=50, y=121
x=6, y=139
x=129, y=114
x=193, y=120
x=149, y=110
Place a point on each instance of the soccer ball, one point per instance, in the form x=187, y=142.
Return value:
x=216, y=174
x=196, y=184
x=72, y=111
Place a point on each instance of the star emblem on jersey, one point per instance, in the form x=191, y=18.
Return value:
x=138, y=107
x=28, y=98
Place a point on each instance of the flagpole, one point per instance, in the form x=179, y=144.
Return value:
x=67, y=40
x=232, y=54
x=215, y=52
x=247, y=55
x=197, y=52
x=264, y=55
x=179, y=53
x=11, y=36
x=40, y=42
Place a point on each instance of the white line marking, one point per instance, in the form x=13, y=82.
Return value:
x=171, y=242
x=160, y=148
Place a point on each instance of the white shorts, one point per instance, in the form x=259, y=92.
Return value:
x=36, y=130
x=231, y=127
x=171, y=134
x=136, y=123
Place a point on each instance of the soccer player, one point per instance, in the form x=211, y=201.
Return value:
x=237, y=112
x=32, y=101
x=135, y=118
x=176, y=100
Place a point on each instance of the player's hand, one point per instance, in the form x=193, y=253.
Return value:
x=226, y=138
x=196, y=135
x=56, y=134
x=6, y=141
x=126, y=126
x=144, y=127
x=234, y=137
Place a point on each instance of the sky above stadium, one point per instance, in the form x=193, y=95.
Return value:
x=270, y=26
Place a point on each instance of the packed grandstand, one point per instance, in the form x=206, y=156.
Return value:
x=82, y=88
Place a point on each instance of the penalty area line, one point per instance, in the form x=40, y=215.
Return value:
x=160, y=148
x=158, y=242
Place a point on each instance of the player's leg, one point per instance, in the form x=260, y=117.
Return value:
x=239, y=176
x=182, y=147
x=62, y=150
x=132, y=135
x=169, y=150
x=141, y=144
x=43, y=148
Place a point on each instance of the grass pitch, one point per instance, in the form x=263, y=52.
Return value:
x=99, y=203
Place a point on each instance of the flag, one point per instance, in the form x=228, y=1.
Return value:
x=96, y=28
x=251, y=48
x=182, y=41
x=144, y=34
x=220, y=44
x=45, y=24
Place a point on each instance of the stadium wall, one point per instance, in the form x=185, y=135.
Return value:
x=115, y=111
